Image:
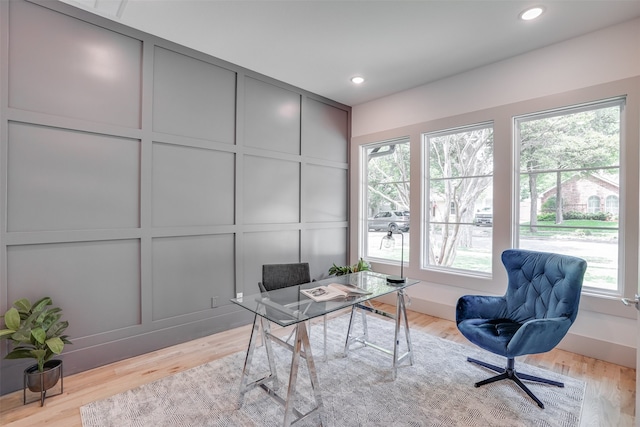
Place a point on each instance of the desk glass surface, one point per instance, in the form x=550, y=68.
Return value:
x=287, y=306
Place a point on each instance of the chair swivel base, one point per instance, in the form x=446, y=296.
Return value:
x=510, y=373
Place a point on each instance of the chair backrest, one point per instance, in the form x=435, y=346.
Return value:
x=542, y=285
x=276, y=276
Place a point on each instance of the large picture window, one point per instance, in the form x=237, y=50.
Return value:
x=569, y=173
x=458, y=168
x=386, y=193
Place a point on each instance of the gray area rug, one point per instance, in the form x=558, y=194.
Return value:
x=357, y=390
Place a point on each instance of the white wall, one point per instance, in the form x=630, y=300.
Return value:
x=605, y=56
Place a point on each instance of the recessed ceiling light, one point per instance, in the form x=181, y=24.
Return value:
x=531, y=13
x=357, y=80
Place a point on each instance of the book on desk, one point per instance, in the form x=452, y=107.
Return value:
x=333, y=291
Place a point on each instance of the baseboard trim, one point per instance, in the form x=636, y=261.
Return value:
x=91, y=357
x=598, y=349
x=591, y=347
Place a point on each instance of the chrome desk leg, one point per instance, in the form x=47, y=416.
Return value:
x=301, y=348
x=258, y=322
x=347, y=342
x=324, y=348
x=313, y=373
x=364, y=338
x=396, y=343
x=365, y=327
x=247, y=361
x=406, y=328
x=401, y=312
x=266, y=334
x=302, y=340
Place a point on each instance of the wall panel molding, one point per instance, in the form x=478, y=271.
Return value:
x=143, y=184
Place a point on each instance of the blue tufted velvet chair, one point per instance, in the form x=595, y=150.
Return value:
x=536, y=312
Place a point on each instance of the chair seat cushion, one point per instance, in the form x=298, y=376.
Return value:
x=493, y=335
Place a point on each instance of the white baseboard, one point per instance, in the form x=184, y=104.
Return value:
x=591, y=347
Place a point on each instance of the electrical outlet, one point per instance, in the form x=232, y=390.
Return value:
x=214, y=302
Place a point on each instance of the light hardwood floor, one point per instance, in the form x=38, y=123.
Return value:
x=609, y=400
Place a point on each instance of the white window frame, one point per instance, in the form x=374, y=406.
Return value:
x=364, y=208
x=504, y=235
x=570, y=109
x=452, y=208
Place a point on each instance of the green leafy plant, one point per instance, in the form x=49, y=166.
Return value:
x=35, y=330
x=361, y=265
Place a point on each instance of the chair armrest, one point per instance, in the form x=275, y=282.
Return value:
x=539, y=335
x=480, y=307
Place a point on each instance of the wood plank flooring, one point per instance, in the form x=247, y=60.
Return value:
x=609, y=400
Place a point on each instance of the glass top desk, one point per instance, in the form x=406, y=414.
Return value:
x=288, y=306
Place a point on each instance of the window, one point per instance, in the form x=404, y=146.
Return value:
x=386, y=193
x=573, y=156
x=458, y=168
x=593, y=204
x=611, y=206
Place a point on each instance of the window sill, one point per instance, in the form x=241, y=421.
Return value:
x=606, y=304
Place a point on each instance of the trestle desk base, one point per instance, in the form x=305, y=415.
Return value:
x=400, y=317
x=300, y=348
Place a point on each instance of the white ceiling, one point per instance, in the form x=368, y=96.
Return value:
x=394, y=45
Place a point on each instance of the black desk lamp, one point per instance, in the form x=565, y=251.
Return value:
x=388, y=241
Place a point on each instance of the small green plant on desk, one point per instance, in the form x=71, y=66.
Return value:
x=361, y=265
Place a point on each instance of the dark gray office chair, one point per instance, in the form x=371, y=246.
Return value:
x=278, y=276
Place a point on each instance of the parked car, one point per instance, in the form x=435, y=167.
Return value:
x=389, y=220
x=483, y=217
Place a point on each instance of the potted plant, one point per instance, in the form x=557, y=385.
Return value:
x=361, y=265
x=36, y=331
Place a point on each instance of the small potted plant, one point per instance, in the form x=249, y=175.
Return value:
x=36, y=331
x=361, y=265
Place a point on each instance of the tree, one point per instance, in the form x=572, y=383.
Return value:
x=557, y=147
x=460, y=170
x=388, y=177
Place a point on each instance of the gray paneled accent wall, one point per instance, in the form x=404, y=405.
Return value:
x=144, y=184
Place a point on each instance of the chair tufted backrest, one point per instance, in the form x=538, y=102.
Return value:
x=276, y=276
x=542, y=285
